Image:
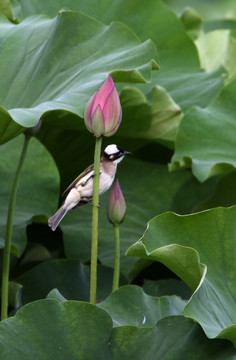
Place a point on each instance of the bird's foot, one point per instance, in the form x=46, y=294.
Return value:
x=91, y=203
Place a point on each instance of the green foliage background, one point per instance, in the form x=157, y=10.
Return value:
x=174, y=68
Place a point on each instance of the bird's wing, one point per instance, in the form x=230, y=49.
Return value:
x=88, y=170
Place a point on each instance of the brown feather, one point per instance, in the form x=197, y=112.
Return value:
x=84, y=173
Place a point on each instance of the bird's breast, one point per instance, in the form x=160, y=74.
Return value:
x=105, y=182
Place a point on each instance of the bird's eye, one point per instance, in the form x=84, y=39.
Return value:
x=111, y=156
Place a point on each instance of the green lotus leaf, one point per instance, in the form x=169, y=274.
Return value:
x=167, y=287
x=48, y=329
x=224, y=194
x=200, y=249
x=220, y=24
x=152, y=116
x=180, y=72
x=218, y=48
x=206, y=140
x=40, y=280
x=192, y=21
x=174, y=338
x=6, y=9
x=56, y=295
x=14, y=294
x=37, y=191
x=193, y=88
x=129, y=305
x=170, y=32
x=219, y=9
x=59, y=63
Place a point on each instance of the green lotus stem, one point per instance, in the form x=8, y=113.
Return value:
x=7, y=248
x=116, y=273
x=94, y=245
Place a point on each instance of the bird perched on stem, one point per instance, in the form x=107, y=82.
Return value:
x=80, y=191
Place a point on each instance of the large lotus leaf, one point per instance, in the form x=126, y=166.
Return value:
x=217, y=48
x=200, y=249
x=24, y=8
x=222, y=23
x=37, y=191
x=151, y=116
x=212, y=48
x=174, y=338
x=152, y=16
x=14, y=294
x=192, y=21
x=129, y=305
x=193, y=88
x=56, y=295
x=206, y=140
x=180, y=73
x=70, y=277
x=166, y=287
x=59, y=63
x=230, y=56
x=49, y=329
x=224, y=194
x=149, y=189
x=6, y=9
x=208, y=9
x=180, y=69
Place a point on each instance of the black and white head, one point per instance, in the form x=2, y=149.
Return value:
x=114, y=153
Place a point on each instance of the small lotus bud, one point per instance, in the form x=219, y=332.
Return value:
x=103, y=112
x=116, y=209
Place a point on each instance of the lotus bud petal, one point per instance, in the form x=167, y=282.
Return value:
x=116, y=209
x=103, y=112
x=98, y=122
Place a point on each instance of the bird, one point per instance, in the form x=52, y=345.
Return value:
x=80, y=191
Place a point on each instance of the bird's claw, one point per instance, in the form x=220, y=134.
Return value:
x=91, y=203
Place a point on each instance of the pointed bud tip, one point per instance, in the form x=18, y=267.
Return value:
x=107, y=99
x=116, y=209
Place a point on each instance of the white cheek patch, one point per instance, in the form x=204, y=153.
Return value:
x=118, y=160
x=111, y=149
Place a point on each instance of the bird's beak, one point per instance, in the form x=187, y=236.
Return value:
x=127, y=153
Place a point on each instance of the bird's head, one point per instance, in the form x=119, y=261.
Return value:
x=114, y=153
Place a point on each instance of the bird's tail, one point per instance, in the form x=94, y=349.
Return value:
x=54, y=220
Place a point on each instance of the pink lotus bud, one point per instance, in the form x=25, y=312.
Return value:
x=103, y=112
x=116, y=209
